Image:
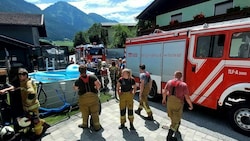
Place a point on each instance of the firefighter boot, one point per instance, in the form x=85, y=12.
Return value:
x=132, y=126
x=170, y=136
x=138, y=111
x=39, y=128
x=121, y=126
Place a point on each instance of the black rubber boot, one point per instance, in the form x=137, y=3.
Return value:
x=138, y=111
x=132, y=126
x=170, y=136
x=121, y=126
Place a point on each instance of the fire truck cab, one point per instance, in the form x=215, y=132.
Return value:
x=91, y=52
x=214, y=59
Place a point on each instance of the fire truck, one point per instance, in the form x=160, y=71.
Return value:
x=214, y=59
x=91, y=52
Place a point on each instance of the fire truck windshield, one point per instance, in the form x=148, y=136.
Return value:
x=95, y=51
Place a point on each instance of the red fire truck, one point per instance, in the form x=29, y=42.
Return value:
x=91, y=52
x=214, y=59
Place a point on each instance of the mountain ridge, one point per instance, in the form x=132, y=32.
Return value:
x=62, y=20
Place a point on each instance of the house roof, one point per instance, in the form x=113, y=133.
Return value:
x=158, y=7
x=23, y=19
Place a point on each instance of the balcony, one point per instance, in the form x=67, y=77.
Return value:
x=219, y=18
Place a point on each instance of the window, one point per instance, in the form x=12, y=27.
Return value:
x=221, y=8
x=240, y=45
x=177, y=17
x=210, y=46
x=95, y=51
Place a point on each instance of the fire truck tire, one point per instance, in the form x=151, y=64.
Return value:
x=239, y=118
x=153, y=93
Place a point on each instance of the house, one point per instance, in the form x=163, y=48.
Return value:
x=24, y=27
x=173, y=14
x=19, y=42
x=19, y=34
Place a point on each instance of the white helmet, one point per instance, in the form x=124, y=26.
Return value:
x=104, y=64
x=7, y=133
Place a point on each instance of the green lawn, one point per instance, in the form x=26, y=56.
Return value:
x=56, y=118
x=63, y=43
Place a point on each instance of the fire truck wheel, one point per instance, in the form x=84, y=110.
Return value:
x=239, y=118
x=153, y=93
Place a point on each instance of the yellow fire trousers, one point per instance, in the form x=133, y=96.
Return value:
x=38, y=126
x=89, y=105
x=175, y=110
x=144, y=100
x=126, y=103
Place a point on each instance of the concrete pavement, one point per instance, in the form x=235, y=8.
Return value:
x=145, y=130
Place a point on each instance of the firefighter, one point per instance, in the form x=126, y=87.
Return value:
x=113, y=72
x=121, y=66
x=104, y=74
x=98, y=72
x=176, y=90
x=126, y=89
x=145, y=87
x=88, y=87
x=30, y=102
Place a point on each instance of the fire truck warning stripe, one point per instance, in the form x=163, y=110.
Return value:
x=214, y=73
x=211, y=89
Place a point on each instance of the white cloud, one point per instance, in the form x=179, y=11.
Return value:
x=123, y=11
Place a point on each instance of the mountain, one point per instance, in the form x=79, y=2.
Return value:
x=97, y=18
x=62, y=20
x=18, y=6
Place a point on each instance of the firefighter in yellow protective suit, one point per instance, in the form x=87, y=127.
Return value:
x=126, y=89
x=87, y=87
x=29, y=100
x=177, y=91
x=145, y=87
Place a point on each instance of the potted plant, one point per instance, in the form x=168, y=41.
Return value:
x=246, y=10
x=199, y=16
x=173, y=22
x=233, y=9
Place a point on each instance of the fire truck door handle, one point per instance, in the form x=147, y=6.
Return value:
x=193, y=68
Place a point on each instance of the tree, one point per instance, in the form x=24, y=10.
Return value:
x=142, y=25
x=100, y=35
x=80, y=38
x=94, y=33
x=120, y=35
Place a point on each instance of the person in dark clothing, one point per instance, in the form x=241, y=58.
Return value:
x=5, y=88
x=126, y=89
x=88, y=87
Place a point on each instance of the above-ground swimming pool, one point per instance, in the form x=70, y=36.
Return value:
x=56, y=87
x=71, y=72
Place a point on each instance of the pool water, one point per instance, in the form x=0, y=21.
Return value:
x=71, y=72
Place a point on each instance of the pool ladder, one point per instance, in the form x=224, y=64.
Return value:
x=47, y=64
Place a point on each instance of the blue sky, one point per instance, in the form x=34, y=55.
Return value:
x=123, y=11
